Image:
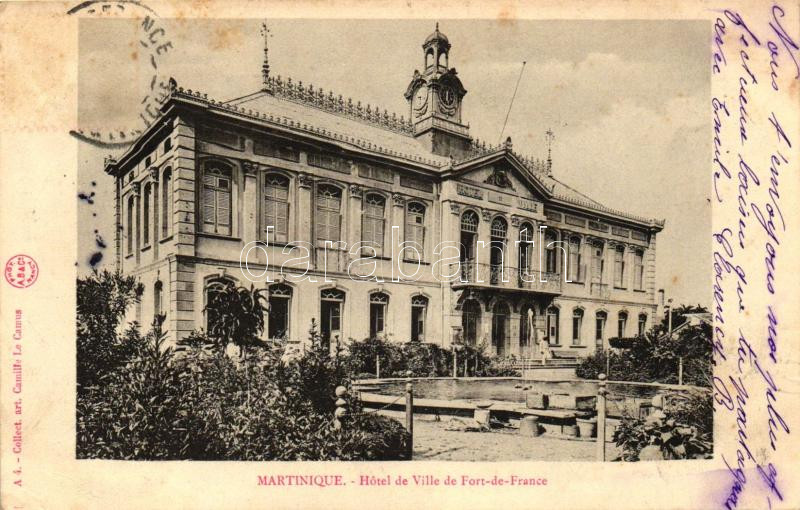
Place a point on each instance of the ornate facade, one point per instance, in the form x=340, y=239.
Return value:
x=374, y=224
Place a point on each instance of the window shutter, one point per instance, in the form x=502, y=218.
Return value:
x=223, y=208
x=208, y=205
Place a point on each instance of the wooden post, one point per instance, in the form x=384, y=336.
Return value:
x=377, y=367
x=680, y=370
x=455, y=362
x=601, y=418
x=410, y=419
x=465, y=366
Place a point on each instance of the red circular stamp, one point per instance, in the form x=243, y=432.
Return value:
x=21, y=271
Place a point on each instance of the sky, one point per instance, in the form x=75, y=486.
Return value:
x=627, y=101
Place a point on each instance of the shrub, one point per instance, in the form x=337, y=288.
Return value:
x=683, y=430
x=103, y=298
x=198, y=405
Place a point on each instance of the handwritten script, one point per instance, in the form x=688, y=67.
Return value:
x=755, y=74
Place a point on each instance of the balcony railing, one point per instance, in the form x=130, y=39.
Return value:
x=495, y=276
x=601, y=290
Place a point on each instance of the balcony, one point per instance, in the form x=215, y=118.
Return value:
x=497, y=277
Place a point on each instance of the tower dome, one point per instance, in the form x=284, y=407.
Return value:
x=437, y=37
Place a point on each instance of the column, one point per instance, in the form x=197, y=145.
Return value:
x=303, y=213
x=484, y=252
x=250, y=197
x=354, y=213
x=650, y=269
x=397, y=220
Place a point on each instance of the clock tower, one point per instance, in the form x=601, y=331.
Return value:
x=434, y=98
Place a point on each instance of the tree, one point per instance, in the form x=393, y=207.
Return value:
x=102, y=300
x=236, y=315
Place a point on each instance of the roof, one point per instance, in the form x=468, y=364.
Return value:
x=293, y=106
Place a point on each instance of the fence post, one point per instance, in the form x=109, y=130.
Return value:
x=680, y=370
x=377, y=367
x=455, y=362
x=601, y=418
x=410, y=418
x=341, y=407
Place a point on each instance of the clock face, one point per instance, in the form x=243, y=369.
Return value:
x=420, y=97
x=447, y=96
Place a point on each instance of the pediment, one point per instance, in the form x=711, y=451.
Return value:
x=505, y=176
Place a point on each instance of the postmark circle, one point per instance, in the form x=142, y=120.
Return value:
x=21, y=271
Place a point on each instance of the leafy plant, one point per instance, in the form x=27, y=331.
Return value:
x=236, y=315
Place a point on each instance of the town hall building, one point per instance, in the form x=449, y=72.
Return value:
x=374, y=224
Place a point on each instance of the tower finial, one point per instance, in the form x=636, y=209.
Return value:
x=549, y=136
x=265, y=66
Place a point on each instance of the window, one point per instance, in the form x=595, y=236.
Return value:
x=415, y=229
x=372, y=223
x=280, y=299
x=217, y=186
x=525, y=249
x=600, y=327
x=331, y=309
x=638, y=269
x=167, y=144
x=499, y=228
x=497, y=242
x=619, y=267
x=129, y=232
x=148, y=190
x=276, y=206
x=577, y=322
x=471, y=321
x=552, y=325
x=328, y=217
x=551, y=262
x=642, y=324
x=213, y=290
x=469, y=234
x=622, y=322
x=158, y=298
x=378, y=302
x=575, y=273
x=597, y=262
x=166, y=203
x=419, y=308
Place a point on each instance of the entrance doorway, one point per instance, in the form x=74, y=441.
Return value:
x=500, y=327
x=331, y=302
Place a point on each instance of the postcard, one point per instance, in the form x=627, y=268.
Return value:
x=390, y=255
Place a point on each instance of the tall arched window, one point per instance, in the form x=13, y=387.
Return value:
x=500, y=328
x=525, y=250
x=372, y=223
x=471, y=321
x=331, y=310
x=577, y=322
x=212, y=292
x=419, y=311
x=158, y=298
x=166, y=203
x=638, y=269
x=378, y=303
x=552, y=326
x=148, y=190
x=469, y=235
x=280, y=306
x=328, y=217
x=598, y=264
x=619, y=267
x=497, y=245
x=217, y=198
x=551, y=258
x=276, y=206
x=642, y=326
x=575, y=273
x=600, y=329
x=622, y=323
x=131, y=214
x=415, y=229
